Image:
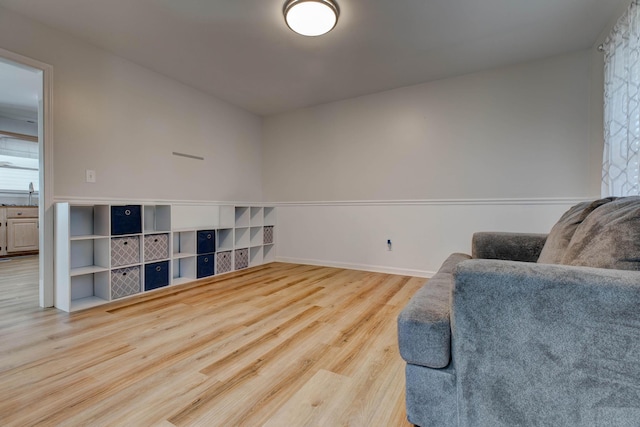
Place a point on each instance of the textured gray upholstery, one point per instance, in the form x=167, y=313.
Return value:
x=609, y=237
x=424, y=329
x=507, y=246
x=531, y=344
x=431, y=396
x=562, y=232
x=552, y=345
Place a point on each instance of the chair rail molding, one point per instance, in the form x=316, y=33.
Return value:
x=430, y=202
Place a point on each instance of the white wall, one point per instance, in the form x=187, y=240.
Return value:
x=124, y=121
x=423, y=234
x=504, y=150
x=514, y=132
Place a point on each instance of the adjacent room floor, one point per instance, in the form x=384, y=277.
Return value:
x=18, y=285
x=276, y=345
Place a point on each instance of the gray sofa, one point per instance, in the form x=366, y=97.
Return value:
x=531, y=330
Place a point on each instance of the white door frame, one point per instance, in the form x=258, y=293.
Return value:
x=45, y=138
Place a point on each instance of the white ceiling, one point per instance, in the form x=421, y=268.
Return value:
x=242, y=51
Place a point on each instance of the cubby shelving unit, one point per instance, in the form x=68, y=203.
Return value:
x=184, y=244
x=256, y=236
x=184, y=270
x=255, y=256
x=106, y=252
x=225, y=240
x=268, y=253
x=227, y=217
x=256, y=216
x=242, y=238
x=157, y=218
x=269, y=216
x=242, y=216
x=89, y=256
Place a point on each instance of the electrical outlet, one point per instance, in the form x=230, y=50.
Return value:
x=91, y=175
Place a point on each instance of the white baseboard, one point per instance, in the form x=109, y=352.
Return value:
x=363, y=267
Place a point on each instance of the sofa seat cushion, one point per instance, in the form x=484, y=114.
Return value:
x=424, y=327
x=560, y=235
x=609, y=237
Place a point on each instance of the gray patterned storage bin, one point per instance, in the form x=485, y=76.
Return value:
x=223, y=262
x=125, y=251
x=268, y=235
x=156, y=246
x=125, y=282
x=242, y=258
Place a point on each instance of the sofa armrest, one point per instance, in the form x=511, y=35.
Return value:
x=537, y=344
x=424, y=325
x=507, y=246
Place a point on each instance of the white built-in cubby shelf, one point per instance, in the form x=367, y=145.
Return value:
x=242, y=237
x=184, y=244
x=227, y=217
x=224, y=241
x=157, y=218
x=89, y=290
x=268, y=253
x=242, y=216
x=255, y=256
x=88, y=222
x=269, y=216
x=256, y=236
x=108, y=252
x=184, y=270
x=89, y=256
x=256, y=217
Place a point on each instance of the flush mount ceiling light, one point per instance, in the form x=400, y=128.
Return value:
x=311, y=17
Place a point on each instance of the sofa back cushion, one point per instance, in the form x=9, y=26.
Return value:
x=560, y=236
x=609, y=237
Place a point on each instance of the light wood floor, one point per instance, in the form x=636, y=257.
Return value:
x=18, y=284
x=277, y=345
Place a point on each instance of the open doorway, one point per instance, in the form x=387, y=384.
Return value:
x=26, y=233
x=20, y=98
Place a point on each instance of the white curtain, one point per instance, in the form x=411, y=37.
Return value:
x=622, y=107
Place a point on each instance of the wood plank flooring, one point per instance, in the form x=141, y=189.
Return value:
x=277, y=345
x=18, y=283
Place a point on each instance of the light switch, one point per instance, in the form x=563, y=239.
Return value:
x=91, y=175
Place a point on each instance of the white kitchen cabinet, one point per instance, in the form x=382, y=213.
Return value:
x=22, y=235
x=18, y=230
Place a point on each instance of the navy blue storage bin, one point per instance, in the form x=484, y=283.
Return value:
x=126, y=220
x=206, y=241
x=156, y=275
x=205, y=266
